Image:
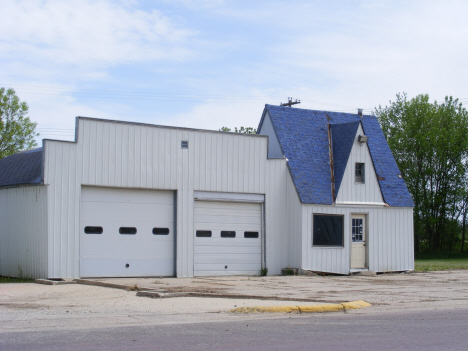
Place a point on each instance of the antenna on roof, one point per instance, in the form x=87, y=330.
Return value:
x=290, y=102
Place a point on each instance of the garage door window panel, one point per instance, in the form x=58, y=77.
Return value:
x=203, y=233
x=228, y=234
x=251, y=235
x=93, y=230
x=160, y=231
x=127, y=230
x=328, y=230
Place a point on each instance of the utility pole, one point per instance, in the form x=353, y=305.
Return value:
x=290, y=102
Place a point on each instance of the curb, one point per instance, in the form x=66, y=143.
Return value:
x=54, y=282
x=157, y=294
x=107, y=285
x=352, y=305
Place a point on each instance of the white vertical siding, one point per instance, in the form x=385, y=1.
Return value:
x=276, y=226
x=353, y=192
x=23, y=232
x=389, y=242
x=274, y=147
x=294, y=214
x=116, y=154
x=63, y=205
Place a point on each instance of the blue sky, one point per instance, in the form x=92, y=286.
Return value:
x=213, y=63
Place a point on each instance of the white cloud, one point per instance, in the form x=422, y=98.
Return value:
x=368, y=55
x=87, y=32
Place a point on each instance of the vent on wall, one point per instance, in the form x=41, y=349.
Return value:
x=184, y=144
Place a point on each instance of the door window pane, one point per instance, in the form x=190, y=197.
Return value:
x=357, y=230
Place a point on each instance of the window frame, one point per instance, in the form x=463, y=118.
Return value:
x=362, y=170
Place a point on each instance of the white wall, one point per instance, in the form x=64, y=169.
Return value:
x=294, y=213
x=118, y=154
x=389, y=242
x=350, y=191
x=274, y=148
x=23, y=232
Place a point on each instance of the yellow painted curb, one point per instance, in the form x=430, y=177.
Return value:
x=352, y=305
x=271, y=309
x=320, y=308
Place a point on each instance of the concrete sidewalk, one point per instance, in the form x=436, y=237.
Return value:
x=421, y=290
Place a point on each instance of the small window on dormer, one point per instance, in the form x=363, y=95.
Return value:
x=359, y=173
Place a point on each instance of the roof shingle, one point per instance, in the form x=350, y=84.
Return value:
x=23, y=168
x=303, y=135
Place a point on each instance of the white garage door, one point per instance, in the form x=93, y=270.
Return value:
x=126, y=232
x=227, y=238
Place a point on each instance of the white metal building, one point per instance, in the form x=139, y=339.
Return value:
x=129, y=199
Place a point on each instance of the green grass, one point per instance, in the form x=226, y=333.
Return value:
x=15, y=280
x=430, y=261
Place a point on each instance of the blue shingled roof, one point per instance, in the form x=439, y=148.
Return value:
x=22, y=168
x=303, y=136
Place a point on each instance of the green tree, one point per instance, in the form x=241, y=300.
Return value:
x=430, y=145
x=17, y=132
x=242, y=130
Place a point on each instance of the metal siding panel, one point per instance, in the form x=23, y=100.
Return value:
x=124, y=150
x=235, y=165
x=222, y=183
x=210, y=163
x=242, y=175
x=111, y=152
x=91, y=172
x=23, y=234
x=229, y=161
x=85, y=156
x=197, y=159
x=67, y=224
x=99, y=158
x=251, y=170
x=142, y=171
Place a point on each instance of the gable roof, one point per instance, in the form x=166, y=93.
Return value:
x=303, y=136
x=23, y=168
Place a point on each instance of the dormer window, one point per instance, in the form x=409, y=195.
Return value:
x=359, y=174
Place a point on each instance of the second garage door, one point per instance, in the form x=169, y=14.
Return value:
x=228, y=238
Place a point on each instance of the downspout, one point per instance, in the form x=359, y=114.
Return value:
x=332, y=167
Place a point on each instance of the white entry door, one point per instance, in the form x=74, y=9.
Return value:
x=126, y=232
x=358, y=241
x=227, y=238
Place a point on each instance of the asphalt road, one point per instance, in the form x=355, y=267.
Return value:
x=423, y=330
